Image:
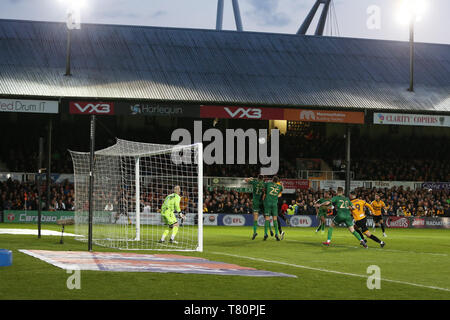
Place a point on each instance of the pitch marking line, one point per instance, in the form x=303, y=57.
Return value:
x=382, y=249
x=329, y=271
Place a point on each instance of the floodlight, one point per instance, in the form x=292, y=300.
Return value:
x=411, y=11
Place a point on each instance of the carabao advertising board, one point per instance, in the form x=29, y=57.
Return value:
x=215, y=219
x=28, y=216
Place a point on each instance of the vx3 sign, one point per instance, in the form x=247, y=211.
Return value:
x=249, y=113
x=91, y=107
x=239, y=112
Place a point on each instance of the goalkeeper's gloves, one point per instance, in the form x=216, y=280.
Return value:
x=182, y=215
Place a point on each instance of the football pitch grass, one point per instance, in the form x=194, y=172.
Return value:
x=413, y=265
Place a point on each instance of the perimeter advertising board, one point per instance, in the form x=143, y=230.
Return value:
x=29, y=216
x=216, y=219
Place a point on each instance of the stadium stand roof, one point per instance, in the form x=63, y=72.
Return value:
x=229, y=67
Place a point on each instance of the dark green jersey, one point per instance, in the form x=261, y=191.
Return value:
x=272, y=192
x=342, y=205
x=323, y=209
x=258, y=189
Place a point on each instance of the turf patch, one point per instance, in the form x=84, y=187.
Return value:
x=134, y=262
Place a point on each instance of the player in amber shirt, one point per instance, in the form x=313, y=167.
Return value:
x=360, y=219
x=377, y=206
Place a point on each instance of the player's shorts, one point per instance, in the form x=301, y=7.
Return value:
x=361, y=224
x=378, y=219
x=347, y=219
x=270, y=209
x=322, y=214
x=169, y=217
x=256, y=205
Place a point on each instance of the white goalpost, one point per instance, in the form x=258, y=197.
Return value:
x=131, y=182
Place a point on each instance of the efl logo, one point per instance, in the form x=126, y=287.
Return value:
x=91, y=108
x=249, y=113
x=233, y=220
x=11, y=217
x=300, y=221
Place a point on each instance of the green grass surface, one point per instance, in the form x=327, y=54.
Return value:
x=414, y=265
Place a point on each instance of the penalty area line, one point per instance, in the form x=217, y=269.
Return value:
x=329, y=271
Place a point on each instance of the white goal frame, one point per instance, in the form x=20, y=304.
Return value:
x=159, y=150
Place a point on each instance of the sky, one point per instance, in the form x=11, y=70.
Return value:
x=374, y=19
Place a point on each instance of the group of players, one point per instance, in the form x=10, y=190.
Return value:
x=350, y=212
x=265, y=199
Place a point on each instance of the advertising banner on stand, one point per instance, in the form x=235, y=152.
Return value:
x=238, y=112
x=436, y=185
x=29, y=106
x=292, y=185
x=91, y=107
x=134, y=108
x=330, y=116
x=411, y=119
x=334, y=184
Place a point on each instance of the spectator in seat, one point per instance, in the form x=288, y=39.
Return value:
x=213, y=207
x=236, y=206
x=220, y=207
x=447, y=210
x=228, y=207
x=400, y=211
x=60, y=206
x=284, y=207
x=310, y=210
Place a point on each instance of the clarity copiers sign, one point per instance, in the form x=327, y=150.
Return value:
x=412, y=119
x=28, y=106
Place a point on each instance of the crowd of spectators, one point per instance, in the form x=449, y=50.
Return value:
x=399, y=201
x=15, y=195
x=401, y=170
x=222, y=201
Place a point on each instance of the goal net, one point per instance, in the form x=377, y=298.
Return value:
x=131, y=182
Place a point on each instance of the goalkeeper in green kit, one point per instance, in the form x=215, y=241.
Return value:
x=272, y=190
x=343, y=206
x=171, y=205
